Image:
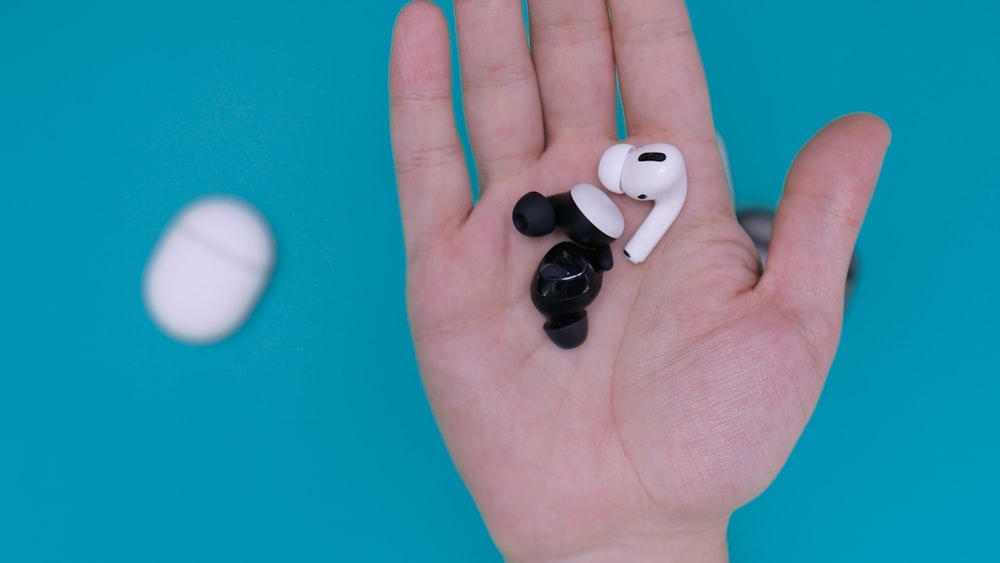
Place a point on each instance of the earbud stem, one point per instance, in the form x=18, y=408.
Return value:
x=655, y=226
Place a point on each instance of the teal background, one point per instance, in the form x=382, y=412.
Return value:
x=306, y=437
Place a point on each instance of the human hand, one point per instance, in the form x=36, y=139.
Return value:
x=700, y=371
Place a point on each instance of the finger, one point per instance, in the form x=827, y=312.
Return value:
x=433, y=182
x=571, y=47
x=662, y=83
x=503, y=112
x=826, y=197
x=665, y=97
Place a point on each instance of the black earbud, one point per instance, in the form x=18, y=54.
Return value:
x=571, y=273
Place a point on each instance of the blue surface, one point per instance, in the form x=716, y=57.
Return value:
x=306, y=437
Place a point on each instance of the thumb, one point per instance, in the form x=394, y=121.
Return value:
x=826, y=196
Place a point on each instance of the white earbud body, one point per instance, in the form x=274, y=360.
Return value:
x=652, y=172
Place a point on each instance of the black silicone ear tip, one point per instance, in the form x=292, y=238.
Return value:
x=533, y=215
x=568, y=331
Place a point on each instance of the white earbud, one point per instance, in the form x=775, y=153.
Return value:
x=652, y=172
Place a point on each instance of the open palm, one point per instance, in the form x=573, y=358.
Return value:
x=700, y=370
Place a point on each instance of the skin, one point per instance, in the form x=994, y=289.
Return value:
x=700, y=371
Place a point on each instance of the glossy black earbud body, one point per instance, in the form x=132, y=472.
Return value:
x=566, y=282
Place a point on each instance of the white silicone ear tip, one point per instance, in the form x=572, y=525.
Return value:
x=609, y=171
x=598, y=208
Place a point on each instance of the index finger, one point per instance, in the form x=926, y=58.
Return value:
x=433, y=182
x=662, y=82
x=664, y=93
